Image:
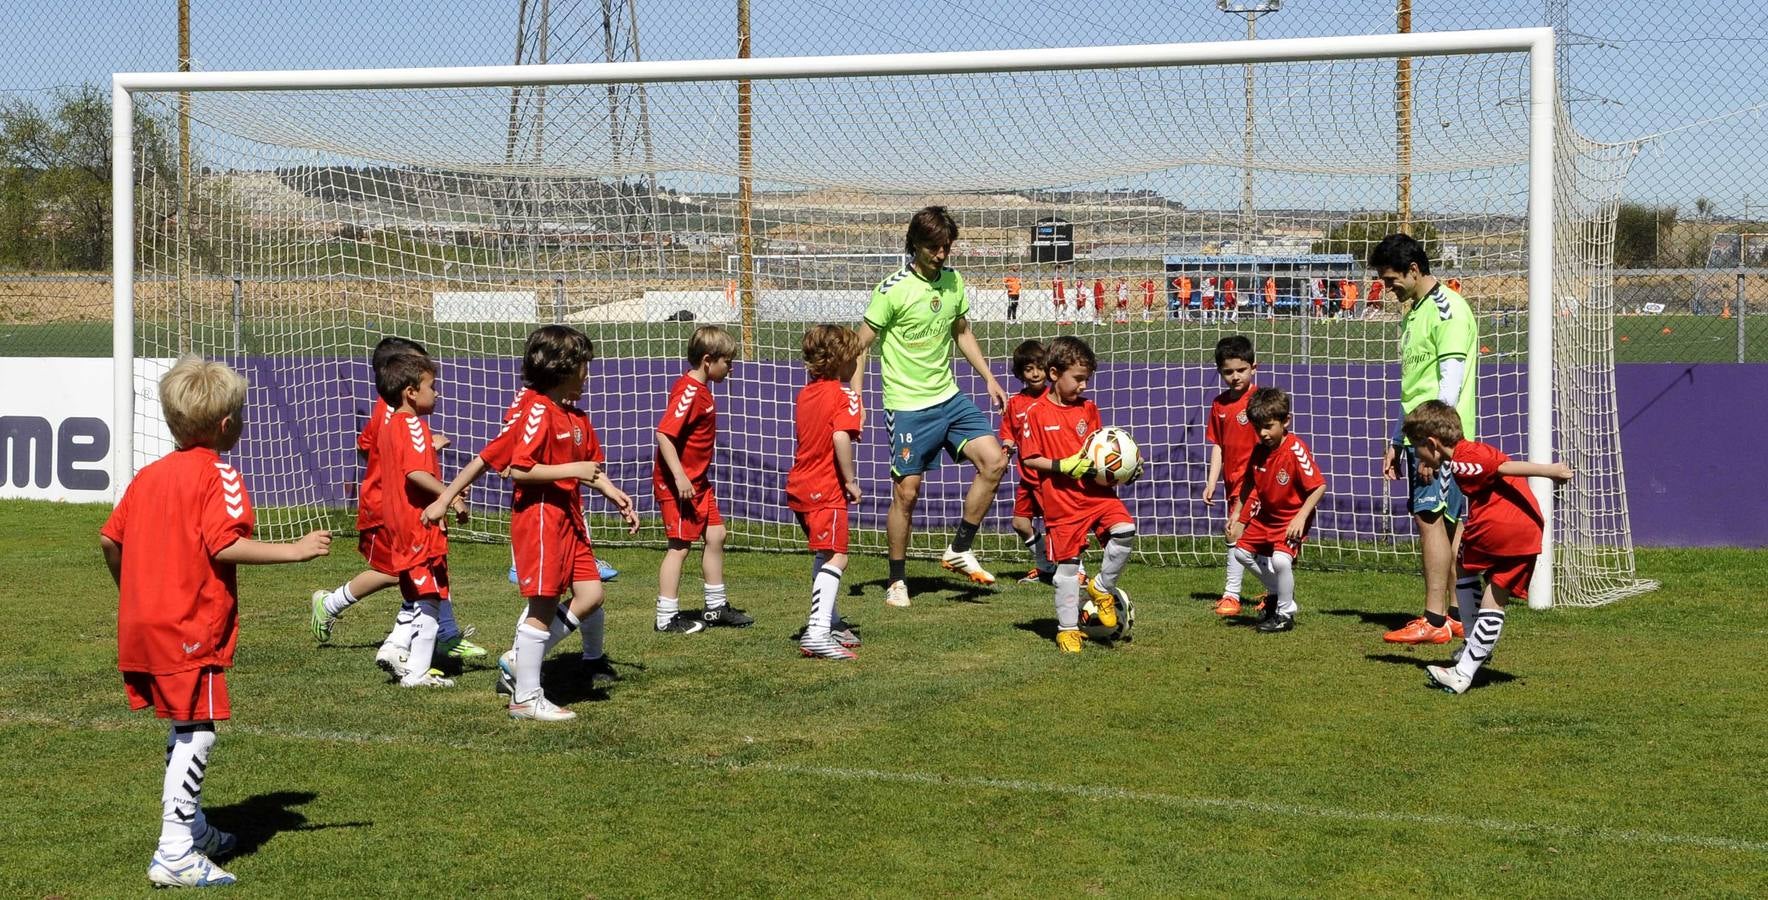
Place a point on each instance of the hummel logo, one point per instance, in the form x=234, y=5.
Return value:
x=687, y=401
x=1301, y=459
x=419, y=580
x=183, y=816
x=417, y=547
x=561, y=435
x=527, y=580
x=192, y=648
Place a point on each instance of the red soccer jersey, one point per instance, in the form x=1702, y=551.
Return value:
x=178, y=608
x=1148, y=293
x=1375, y=293
x=1503, y=518
x=368, y=497
x=1098, y=295
x=544, y=433
x=1053, y=431
x=1230, y=429
x=1060, y=296
x=405, y=447
x=691, y=421
x=1281, y=479
x=825, y=406
x=1230, y=294
x=1013, y=425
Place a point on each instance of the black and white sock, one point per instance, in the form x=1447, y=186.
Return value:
x=181, y=798
x=423, y=643
x=1467, y=597
x=1482, y=639
x=1040, y=560
x=824, y=587
x=563, y=623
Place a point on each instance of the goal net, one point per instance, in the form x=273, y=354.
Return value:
x=309, y=220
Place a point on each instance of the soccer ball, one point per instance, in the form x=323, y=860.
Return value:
x=1126, y=620
x=1115, y=454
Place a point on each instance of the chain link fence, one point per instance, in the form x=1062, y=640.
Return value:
x=1684, y=82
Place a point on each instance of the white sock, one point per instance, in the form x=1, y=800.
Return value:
x=423, y=643
x=715, y=597
x=1068, y=596
x=1118, y=547
x=1284, y=566
x=823, y=588
x=1236, y=575
x=563, y=623
x=1261, y=567
x=530, y=650
x=591, y=628
x=404, y=626
x=667, y=607
x=339, y=600
x=1482, y=639
x=1040, y=559
x=181, y=797
x=446, y=627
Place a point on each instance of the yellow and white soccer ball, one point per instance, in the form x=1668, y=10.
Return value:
x=1126, y=620
x=1115, y=454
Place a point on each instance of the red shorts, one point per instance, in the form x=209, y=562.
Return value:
x=689, y=521
x=1512, y=573
x=1268, y=540
x=825, y=529
x=1025, y=505
x=194, y=695
x=427, y=580
x=375, y=545
x=1067, y=540
x=549, y=560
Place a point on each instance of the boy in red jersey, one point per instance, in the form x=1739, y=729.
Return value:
x=172, y=545
x=682, y=483
x=1274, y=507
x=1123, y=302
x=823, y=480
x=1231, y=437
x=411, y=477
x=549, y=448
x=1182, y=288
x=1077, y=501
x=1231, y=300
x=1502, y=537
x=1061, y=299
x=326, y=607
x=1028, y=367
x=1147, y=299
x=1271, y=297
x=1206, y=300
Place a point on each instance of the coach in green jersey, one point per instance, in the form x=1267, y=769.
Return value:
x=916, y=316
x=1439, y=360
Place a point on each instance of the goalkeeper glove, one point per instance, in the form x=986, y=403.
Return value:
x=1078, y=467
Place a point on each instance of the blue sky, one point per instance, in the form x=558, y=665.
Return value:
x=1640, y=69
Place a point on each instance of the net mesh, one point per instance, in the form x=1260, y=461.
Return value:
x=309, y=224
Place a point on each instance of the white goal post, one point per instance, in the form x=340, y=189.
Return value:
x=1543, y=117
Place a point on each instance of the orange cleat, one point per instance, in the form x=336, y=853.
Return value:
x=1455, y=628
x=1228, y=606
x=1418, y=631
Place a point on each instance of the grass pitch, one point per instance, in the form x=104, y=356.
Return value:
x=1610, y=751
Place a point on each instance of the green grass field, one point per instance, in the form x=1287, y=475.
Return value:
x=1610, y=752
x=1667, y=338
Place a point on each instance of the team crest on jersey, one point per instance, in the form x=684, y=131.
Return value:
x=934, y=303
x=1282, y=476
x=577, y=435
x=1242, y=417
x=905, y=454
x=1080, y=429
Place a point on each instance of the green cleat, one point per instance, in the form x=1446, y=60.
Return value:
x=458, y=647
x=322, y=621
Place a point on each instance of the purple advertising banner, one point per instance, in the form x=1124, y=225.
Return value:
x=1683, y=427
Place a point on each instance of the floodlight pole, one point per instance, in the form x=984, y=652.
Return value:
x=1251, y=10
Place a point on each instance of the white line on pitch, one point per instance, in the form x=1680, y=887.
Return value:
x=1010, y=785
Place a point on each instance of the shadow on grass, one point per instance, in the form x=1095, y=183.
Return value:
x=922, y=587
x=567, y=682
x=1206, y=596
x=1387, y=620
x=1044, y=628
x=1487, y=674
x=260, y=817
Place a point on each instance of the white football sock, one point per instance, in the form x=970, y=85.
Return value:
x=404, y=626
x=667, y=607
x=1236, y=575
x=423, y=643
x=1283, y=565
x=181, y=796
x=339, y=600
x=1120, y=543
x=1482, y=639
x=591, y=628
x=1068, y=596
x=823, y=588
x=1040, y=559
x=530, y=650
x=563, y=623
x=715, y=598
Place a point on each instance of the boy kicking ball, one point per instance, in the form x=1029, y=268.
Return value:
x=1503, y=533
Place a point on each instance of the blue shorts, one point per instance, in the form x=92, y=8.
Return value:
x=1440, y=495
x=917, y=435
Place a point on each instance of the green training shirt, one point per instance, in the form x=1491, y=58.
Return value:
x=1439, y=326
x=913, y=318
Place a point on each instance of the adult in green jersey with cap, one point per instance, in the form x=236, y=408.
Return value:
x=916, y=316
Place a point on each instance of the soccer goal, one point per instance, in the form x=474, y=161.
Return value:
x=285, y=221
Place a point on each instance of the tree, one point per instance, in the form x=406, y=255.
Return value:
x=1642, y=233
x=55, y=179
x=1704, y=207
x=1356, y=236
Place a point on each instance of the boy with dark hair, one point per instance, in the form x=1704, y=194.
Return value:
x=1275, y=505
x=327, y=607
x=172, y=545
x=1231, y=437
x=1028, y=367
x=1503, y=536
x=823, y=481
x=1077, y=500
x=681, y=481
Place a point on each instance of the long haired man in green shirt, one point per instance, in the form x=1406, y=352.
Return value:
x=916, y=316
x=1439, y=360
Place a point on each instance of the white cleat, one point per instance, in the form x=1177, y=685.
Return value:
x=506, y=674
x=391, y=659
x=897, y=594
x=965, y=564
x=190, y=870
x=825, y=648
x=1449, y=680
x=541, y=709
x=430, y=679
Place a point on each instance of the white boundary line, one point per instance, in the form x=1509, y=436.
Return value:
x=1007, y=785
